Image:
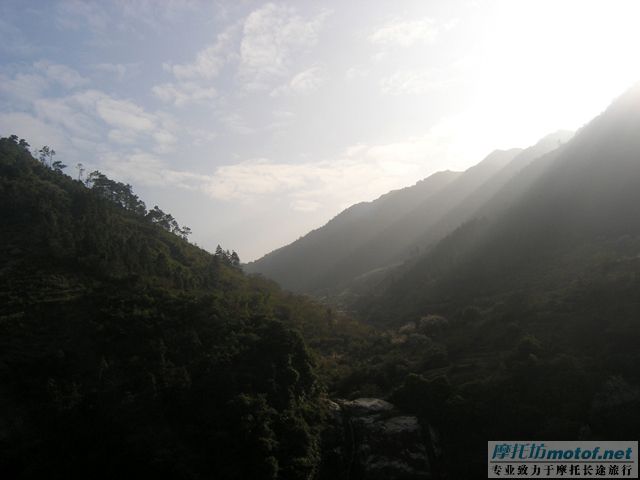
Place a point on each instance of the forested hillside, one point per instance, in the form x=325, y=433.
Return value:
x=576, y=212
x=522, y=322
x=125, y=351
x=534, y=307
x=358, y=247
x=347, y=234
x=124, y=348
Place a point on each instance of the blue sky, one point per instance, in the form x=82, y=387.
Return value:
x=255, y=122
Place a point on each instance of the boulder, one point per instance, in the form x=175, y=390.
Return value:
x=378, y=442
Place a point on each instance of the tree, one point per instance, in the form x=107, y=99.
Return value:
x=117, y=192
x=185, y=232
x=20, y=142
x=46, y=155
x=166, y=221
x=80, y=168
x=58, y=166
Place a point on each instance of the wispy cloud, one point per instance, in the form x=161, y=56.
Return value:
x=36, y=130
x=302, y=82
x=209, y=61
x=61, y=74
x=361, y=172
x=259, y=51
x=61, y=112
x=193, y=81
x=271, y=36
x=81, y=116
x=184, y=93
x=356, y=176
x=415, y=82
x=119, y=70
x=405, y=33
x=22, y=87
x=236, y=123
x=78, y=14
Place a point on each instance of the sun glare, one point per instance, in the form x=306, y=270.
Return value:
x=554, y=67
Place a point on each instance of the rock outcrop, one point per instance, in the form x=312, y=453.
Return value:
x=369, y=439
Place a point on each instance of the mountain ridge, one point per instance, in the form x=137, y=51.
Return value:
x=402, y=224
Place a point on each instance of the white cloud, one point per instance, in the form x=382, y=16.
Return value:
x=144, y=168
x=193, y=81
x=139, y=167
x=263, y=48
x=406, y=33
x=157, y=14
x=307, y=80
x=209, y=61
x=236, y=124
x=281, y=119
x=356, y=73
x=414, y=82
x=62, y=112
x=23, y=87
x=93, y=116
x=362, y=172
x=77, y=14
x=119, y=70
x=200, y=136
x=122, y=137
x=124, y=114
x=35, y=130
x=256, y=178
x=303, y=82
x=305, y=206
x=184, y=93
x=272, y=34
x=61, y=74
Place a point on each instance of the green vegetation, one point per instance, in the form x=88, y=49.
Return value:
x=125, y=349
x=522, y=321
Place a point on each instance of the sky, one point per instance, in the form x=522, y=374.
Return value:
x=256, y=122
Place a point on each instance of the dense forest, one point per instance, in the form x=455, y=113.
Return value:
x=125, y=348
x=127, y=351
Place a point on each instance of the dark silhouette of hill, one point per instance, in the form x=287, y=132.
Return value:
x=567, y=208
x=297, y=269
x=506, y=301
x=358, y=246
x=529, y=310
x=127, y=352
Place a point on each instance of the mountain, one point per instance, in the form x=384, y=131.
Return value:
x=126, y=351
x=295, y=269
x=548, y=225
x=359, y=245
x=523, y=322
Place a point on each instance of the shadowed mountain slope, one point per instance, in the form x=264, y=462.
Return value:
x=569, y=210
x=363, y=242
x=125, y=351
